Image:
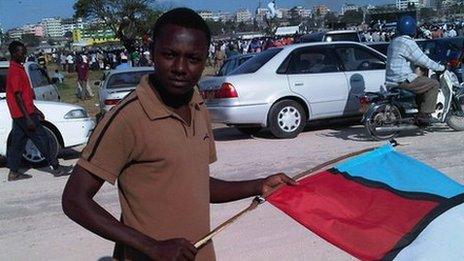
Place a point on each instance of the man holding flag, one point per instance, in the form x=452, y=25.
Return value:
x=158, y=144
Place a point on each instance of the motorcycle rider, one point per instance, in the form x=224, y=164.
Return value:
x=403, y=56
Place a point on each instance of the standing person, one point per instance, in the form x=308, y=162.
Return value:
x=26, y=117
x=83, y=89
x=42, y=61
x=70, y=62
x=58, y=76
x=124, y=63
x=63, y=62
x=158, y=144
x=219, y=57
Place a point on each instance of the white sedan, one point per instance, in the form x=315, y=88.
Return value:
x=284, y=88
x=67, y=125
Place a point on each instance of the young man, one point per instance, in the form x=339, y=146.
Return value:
x=26, y=117
x=158, y=144
x=83, y=89
x=402, y=55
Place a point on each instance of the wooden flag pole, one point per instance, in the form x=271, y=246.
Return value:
x=259, y=200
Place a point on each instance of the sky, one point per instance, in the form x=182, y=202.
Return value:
x=14, y=13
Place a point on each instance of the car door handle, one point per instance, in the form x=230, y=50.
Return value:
x=298, y=84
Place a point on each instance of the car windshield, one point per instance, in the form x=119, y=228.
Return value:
x=255, y=63
x=225, y=68
x=3, y=72
x=351, y=37
x=125, y=80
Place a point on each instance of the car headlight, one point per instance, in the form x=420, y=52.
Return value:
x=76, y=114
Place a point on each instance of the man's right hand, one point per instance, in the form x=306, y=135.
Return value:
x=30, y=124
x=172, y=249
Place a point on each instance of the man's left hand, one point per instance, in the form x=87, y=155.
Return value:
x=274, y=182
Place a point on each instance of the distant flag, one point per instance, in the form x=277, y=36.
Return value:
x=381, y=205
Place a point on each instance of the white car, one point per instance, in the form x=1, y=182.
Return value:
x=116, y=84
x=284, y=88
x=67, y=125
x=43, y=87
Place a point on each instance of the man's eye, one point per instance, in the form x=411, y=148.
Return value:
x=169, y=55
x=195, y=60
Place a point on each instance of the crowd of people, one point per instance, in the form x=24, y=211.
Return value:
x=224, y=49
x=93, y=59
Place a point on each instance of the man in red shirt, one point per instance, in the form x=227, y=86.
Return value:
x=83, y=89
x=26, y=117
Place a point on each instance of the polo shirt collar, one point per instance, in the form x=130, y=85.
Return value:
x=14, y=63
x=152, y=103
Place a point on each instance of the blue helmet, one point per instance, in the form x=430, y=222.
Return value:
x=406, y=26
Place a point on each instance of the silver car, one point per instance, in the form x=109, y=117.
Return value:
x=117, y=84
x=284, y=88
x=44, y=89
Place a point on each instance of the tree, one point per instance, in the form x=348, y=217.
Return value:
x=353, y=17
x=128, y=19
x=330, y=19
x=215, y=27
x=427, y=13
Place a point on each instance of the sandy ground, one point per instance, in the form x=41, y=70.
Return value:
x=33, y=227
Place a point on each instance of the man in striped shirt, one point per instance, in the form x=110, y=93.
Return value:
x=402, y=56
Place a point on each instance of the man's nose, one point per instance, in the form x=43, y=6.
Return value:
x=180, y=65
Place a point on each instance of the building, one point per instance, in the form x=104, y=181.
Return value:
x=403, y=4
x=348, y=7
x=93, y=35
x=283, y=13
x=261, y=14
x=52, y=27
x=34, y=29
x=206, y=14
x=320, y=10
x=225, y=16
x=301, y=12
x=243, y=15
x=15, y=33
x=70, y=24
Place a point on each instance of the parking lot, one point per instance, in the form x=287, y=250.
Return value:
x=33, y=227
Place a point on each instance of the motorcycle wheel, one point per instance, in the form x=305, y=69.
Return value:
x=455, y=118
x=383, y=116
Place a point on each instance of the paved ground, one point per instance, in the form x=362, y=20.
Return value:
x=33, y=227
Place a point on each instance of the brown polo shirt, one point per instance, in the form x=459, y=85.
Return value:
x=161, y=165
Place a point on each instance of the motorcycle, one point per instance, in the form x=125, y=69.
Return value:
x=388, y=114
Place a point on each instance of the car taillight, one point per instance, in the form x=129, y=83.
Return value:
x=112, y=101
x=455, y=63
x=227, y=90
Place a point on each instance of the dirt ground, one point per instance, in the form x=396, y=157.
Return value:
x=33, y=226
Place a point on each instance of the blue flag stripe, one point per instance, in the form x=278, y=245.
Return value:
x=400, y=172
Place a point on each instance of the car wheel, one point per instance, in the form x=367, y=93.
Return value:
x=32, y=155
x=286, y=119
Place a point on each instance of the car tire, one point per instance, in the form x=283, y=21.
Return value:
x=32, y=155
x=286, y=119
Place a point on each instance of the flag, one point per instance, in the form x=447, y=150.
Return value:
x=381, y=205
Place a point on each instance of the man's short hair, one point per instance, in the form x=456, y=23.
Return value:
x=183, y=17
x=13, y=47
